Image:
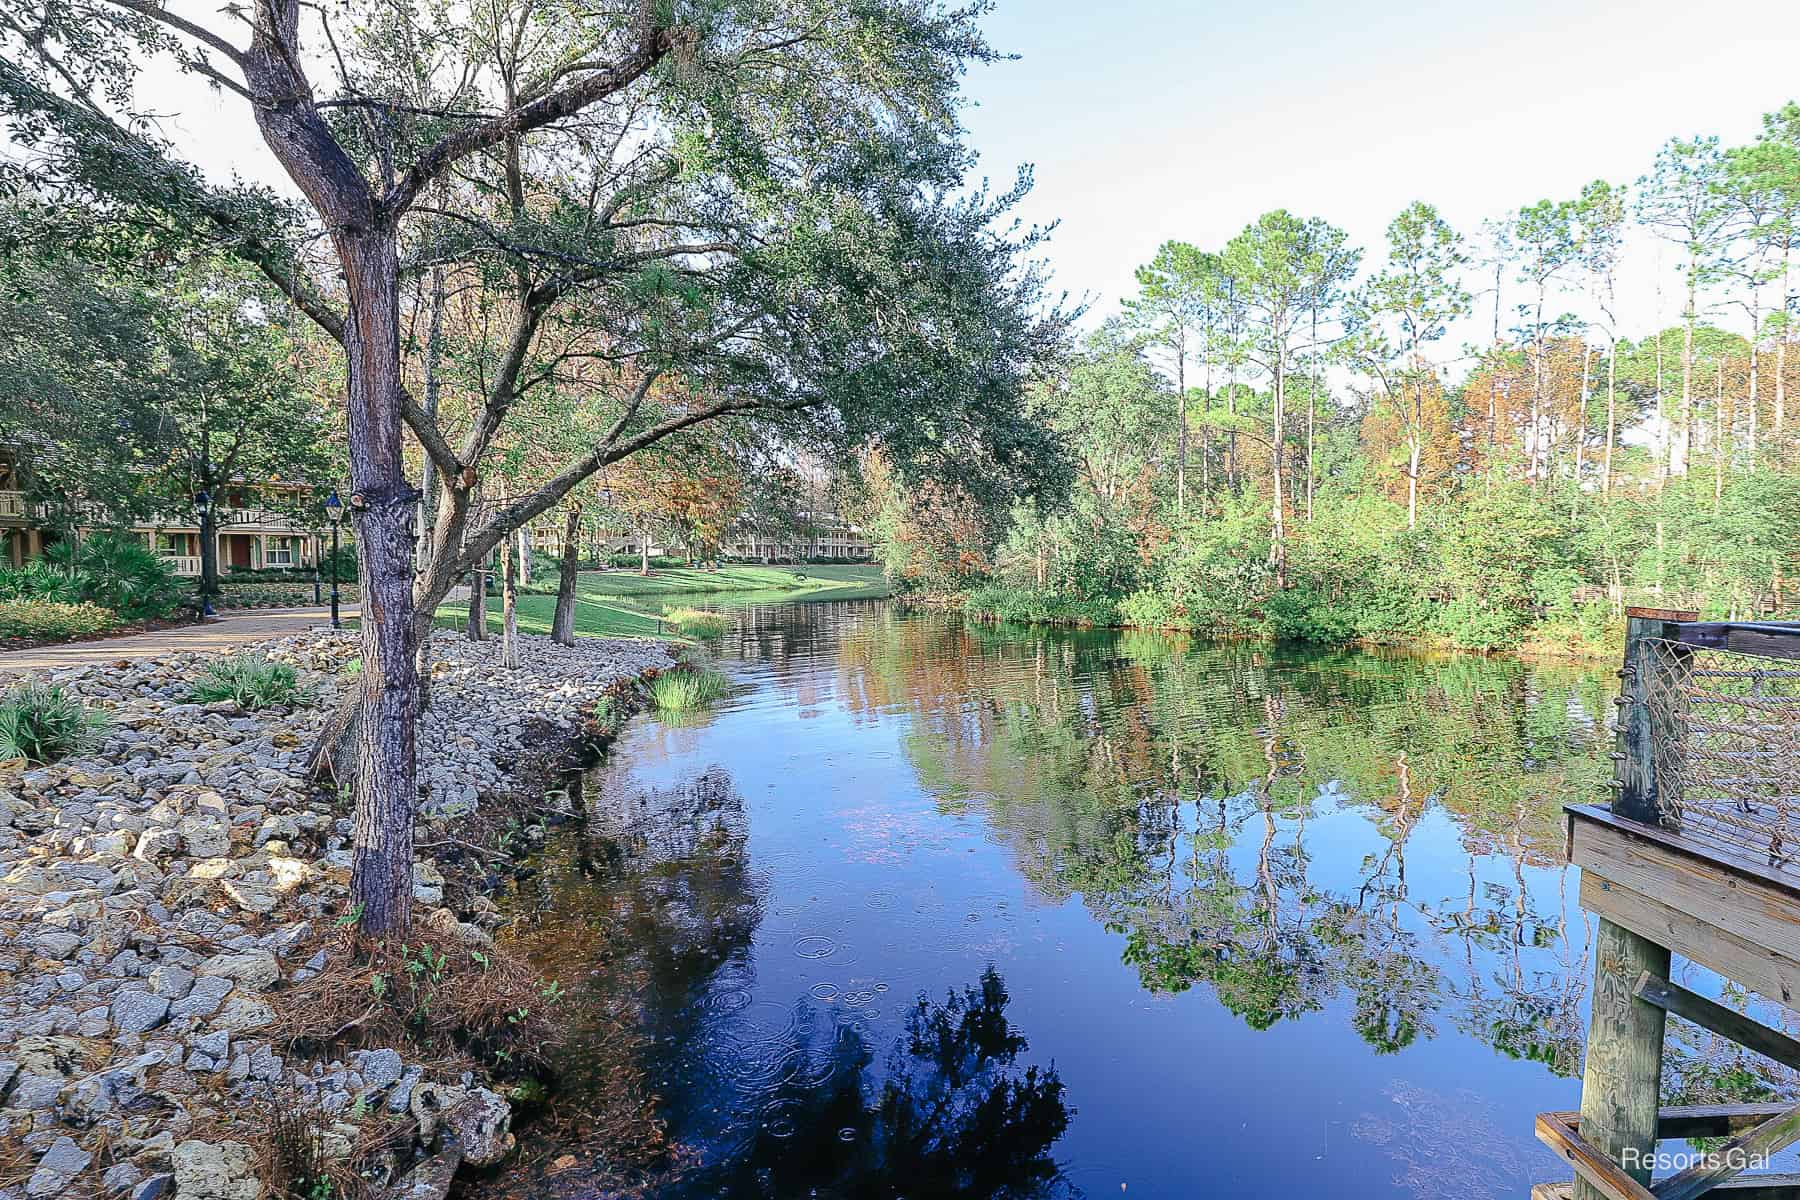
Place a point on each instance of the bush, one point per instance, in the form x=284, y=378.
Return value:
x=116, y=571
x=250, y=680
x=40, y=580
x=692, y=622
x=40, y=723
x=685, y=689
x=1002, y=602
x=43, y=620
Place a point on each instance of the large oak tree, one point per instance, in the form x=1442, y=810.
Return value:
x=763, y=198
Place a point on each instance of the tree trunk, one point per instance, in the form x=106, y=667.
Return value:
x=524, y=536
x=644, y=552
x=1412, y=481
x=1278, y=539
x=478, y=605
x=1181, y=403
x=509, y=604
x=382, y=506
x=562, y=628
x=1612, y=414
x=209, y=552
x=1687, y=380
x=1580, y=425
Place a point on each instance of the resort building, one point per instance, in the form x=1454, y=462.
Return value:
x=256, y=527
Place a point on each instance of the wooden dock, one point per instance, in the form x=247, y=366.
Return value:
x=1694, y=856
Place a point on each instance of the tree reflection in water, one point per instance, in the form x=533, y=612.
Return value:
x=952, y=1115
x=1171, y=786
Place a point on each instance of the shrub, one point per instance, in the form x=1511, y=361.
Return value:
x=40, y=723
x=116, y=571
x=692, y=622
x=685, y=689
x=40, y=579
x=1001, y=602
x=43, y=620
x=250, y=680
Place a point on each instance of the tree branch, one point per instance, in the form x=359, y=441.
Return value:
x=654, y=42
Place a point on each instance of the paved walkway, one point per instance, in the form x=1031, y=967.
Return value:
x=222, y=633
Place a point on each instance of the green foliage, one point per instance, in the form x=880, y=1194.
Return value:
x=50, y=620
x=693, y=622
x=114, y=571
x=249, y=680
x=1029, y=606
x=40, y=723
x=119, y=572
x=687, y=689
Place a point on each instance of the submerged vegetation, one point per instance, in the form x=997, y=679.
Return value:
x=687, y=688
x=693, y=622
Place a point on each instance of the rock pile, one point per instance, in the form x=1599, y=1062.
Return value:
x=154, y=893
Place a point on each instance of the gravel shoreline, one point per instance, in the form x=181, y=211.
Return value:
x=158, y=893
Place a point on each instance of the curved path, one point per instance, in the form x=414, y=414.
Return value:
x=222, y=633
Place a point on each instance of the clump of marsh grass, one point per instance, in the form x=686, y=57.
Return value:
x=40, y=723
x=249, y=680
x=692, y=622
x=687, y=688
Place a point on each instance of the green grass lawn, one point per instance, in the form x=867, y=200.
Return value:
x=626, y=604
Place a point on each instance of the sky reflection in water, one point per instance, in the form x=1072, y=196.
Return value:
x=934, y=910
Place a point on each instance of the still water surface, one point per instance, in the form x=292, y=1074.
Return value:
x=932, y=909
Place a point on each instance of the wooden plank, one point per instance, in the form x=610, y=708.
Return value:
x=1767, y=639
x=1590, y=1164
x=1744, y=1187
x=1685, y=878
x=1672, y=997
x=1714, y=1120
x=1758, y=968
x=1660, y=614
x=1698, y=1120
x=1735, y=860
x=1773, y=1135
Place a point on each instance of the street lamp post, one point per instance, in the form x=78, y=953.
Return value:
x=334, y=512
x=208, y=547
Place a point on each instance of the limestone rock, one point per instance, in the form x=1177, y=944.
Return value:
x=215, y=1171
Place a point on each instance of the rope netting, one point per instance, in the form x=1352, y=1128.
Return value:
x=1726, y=734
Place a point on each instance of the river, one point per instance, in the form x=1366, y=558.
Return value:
x=925, y=908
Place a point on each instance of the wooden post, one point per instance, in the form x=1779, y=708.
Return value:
x=1650, y=719
x=1622, y=1085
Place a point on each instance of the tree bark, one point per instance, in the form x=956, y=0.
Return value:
x=478, y=605
x=1278, y=540
x=562, y=628
x=1612, y=414
x=509, y=605
x=382, y=506
x=1412, y=481
x=209, y=552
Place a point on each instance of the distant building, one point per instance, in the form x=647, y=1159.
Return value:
x=829, y=536
x=251, y=536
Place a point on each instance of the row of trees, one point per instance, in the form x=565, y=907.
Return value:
x=1276, y=436
x=540, y=242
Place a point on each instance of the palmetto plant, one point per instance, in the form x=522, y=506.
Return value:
x=117, y=571
x=250, y=680
x=41, y=723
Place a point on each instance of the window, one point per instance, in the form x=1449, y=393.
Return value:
x=281, y=552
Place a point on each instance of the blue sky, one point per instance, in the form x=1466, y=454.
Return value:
x=1152, y=120
x=1148, y=121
